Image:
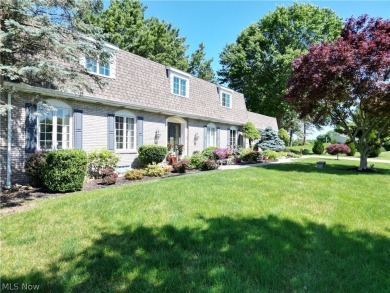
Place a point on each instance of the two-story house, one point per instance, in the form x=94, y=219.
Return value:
x=144, y=103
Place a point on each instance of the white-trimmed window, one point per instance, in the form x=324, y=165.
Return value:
x=226, y=100
x=54, y=126
x=225, y=96
x=211, y=135
x=93, y=66
x=124, y=130
x=180, y=82
x=233, y=137
x=179, y=86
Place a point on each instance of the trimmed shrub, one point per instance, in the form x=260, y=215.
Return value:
x=352, y=147
x=270, y=140
x=154, y=171
x=292, y=155
x=251, y=156
x=196, y=160
x=208, y=152
x=375, y=151
x=134, y=174
x=65, y=170
x=305, y=152
x=109, y=176
x=35, y=168
x=336, y=149
x=149, y=154
x=181, y=166
x=99, y=160
x=386, y=145
x=318, y=147
x=208, y=165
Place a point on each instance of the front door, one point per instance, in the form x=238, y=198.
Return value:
x=174, y=132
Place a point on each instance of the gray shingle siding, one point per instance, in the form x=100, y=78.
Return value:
x=141, y=86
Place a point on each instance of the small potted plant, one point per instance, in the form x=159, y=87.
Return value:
x=179, y=149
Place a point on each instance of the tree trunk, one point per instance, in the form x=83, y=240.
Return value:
x=291, y=135
x=304, y=133
x=363, y=161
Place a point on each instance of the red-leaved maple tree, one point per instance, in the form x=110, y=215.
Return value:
x=347, y=81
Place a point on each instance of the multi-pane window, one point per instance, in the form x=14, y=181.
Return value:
x=104, y=69
x=226, y=100
x=179, y=86
x=54, y=129
x=211, y=136
x=93, y=66
x=233, y=138
x=124, y=133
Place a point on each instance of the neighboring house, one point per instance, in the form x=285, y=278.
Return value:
x=339, y=138
x=144, y=103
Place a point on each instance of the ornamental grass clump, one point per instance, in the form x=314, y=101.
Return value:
x=338, y=148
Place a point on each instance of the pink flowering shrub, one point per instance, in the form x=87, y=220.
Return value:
x=222, y=153
x=336, y=149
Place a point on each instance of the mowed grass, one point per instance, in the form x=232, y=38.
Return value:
x=279, y=228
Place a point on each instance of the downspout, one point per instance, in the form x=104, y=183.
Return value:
x=9, y=143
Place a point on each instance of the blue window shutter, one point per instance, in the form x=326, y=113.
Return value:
x=218, y=137
x=31, y=128
x=111, y=132
x=78, y=129
x=205, y=137
x=140, y=131
x=228, y=138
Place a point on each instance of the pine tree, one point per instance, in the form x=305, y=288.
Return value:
x=125, y=25
x=270, y=140
x=199, y=66
x=41, y=45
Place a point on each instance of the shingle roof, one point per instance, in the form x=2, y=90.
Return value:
x=143, y=82
x=262, y=121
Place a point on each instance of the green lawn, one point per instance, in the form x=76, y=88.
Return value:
x=280, y=228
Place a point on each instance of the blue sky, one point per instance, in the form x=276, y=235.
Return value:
x=217, y=23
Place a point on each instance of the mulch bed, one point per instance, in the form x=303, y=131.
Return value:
x=16, y=201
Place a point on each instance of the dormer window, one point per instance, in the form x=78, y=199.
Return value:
x=105, y=70
x=179, y=86
x=94, y=66
x=226, y=100
x=225, y=96
x=179, y=81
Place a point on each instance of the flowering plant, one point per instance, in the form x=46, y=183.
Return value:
x=222, y=153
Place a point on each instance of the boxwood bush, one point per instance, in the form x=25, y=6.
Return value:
x=65, y=170
x=208, y=152
x=149, y=154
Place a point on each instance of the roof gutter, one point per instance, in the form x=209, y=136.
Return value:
x=95, y=99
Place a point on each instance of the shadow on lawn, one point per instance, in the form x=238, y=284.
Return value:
x=228, y=255
x=332, y=167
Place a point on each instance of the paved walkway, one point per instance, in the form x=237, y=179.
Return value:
x=231, y=167
x=345, y=158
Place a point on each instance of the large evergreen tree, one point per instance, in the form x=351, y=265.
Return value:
x=125, y=25
x=41, y=44
x=258, y=64
x=199, y=66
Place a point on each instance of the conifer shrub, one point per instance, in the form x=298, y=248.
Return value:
x=270, y=140
x=318, y=147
